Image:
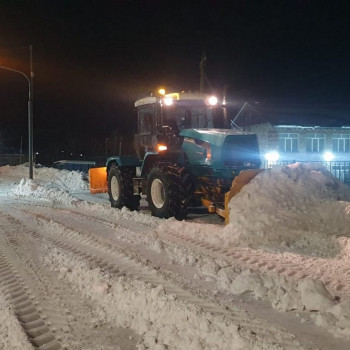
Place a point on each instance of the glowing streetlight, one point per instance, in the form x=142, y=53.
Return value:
x=328, y=156
x=30, y=108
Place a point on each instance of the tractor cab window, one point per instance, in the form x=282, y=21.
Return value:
x=201, y=118
x=146, y=120
x=188, y=118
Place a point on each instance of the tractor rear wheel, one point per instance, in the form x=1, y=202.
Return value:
x=120, y=188
x=168, y=191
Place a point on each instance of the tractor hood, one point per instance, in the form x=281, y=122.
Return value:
x=213, y=136
x=221, y=149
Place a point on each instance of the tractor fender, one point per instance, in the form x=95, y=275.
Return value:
x=123, y=161
x=153, y=157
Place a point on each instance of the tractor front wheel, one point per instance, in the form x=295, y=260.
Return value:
x=168, y=191
x=120, y=188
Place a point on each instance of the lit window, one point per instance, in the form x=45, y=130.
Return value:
x=341, y=143
x=288, y=142
x=315, y=142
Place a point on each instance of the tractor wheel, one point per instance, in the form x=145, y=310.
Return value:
x=169, y=191
x=120, y=188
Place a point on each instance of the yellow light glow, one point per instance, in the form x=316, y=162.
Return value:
x=161, y=147
x=174, y=95
x=207, y=147
x=161, y=92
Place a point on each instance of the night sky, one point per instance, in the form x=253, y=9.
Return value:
x=93, y=59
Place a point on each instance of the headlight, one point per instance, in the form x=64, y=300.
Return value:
x=213, y=100
x=168, y=101
x=328, y=156
x=272, y=156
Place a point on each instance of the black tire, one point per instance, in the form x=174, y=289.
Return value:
x=169, y=191
x=120, y=188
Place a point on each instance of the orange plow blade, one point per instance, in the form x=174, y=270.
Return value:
x=243, y=178
x=98, y=180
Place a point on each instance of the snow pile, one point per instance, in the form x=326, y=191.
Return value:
x=49, y=184
x=300, y=206
x=30, y=188
x=64, y=179
x=54, y=178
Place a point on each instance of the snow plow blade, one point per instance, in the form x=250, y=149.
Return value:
x=98, y=180
x=242, y=179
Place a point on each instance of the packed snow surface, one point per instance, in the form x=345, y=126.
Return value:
x=295, y=211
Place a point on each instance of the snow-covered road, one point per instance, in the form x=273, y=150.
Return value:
x=77, y=274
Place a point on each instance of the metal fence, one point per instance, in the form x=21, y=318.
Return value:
x=339, y=169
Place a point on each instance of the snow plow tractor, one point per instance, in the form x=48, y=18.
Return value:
x=185, y=156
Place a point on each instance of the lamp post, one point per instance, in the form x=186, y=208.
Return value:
x=30, y=108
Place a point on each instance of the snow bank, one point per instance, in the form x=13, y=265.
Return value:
x=49, y=184
x=300, y=206
x=30, y=188
x=69, y=180
x=52, y=178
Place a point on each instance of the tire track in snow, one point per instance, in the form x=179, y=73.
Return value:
x=28, y=315
x=119, y=263
x=286, y=264
x=290, y=265
x=293, y=266
x=113, y=224
x=67, y=315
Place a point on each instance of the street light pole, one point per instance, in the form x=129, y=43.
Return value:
x=30, y=114
x=30, y=108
